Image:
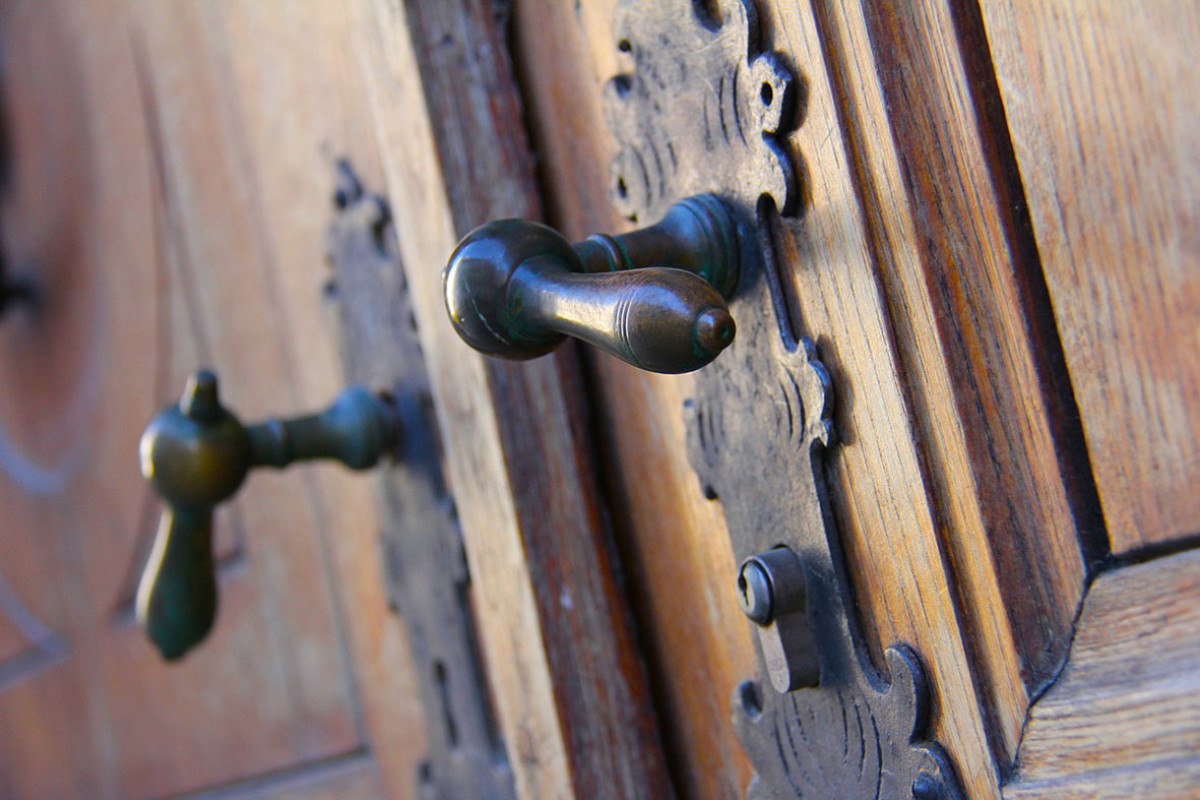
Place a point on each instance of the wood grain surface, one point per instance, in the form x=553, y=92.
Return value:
x=571, y=691
x=673, y=544
x=676, y=554
x=183, y=224
x=885, y=506
x=1098, y=100
x=1124, y=719
x=982, y=364
x=172, y=171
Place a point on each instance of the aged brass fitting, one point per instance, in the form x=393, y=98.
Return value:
x=196, y=454
x=655, y=297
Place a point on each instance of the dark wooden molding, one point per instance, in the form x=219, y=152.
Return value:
x=599, y=679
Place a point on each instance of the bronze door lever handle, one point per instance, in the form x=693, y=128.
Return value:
x=655, y=297
x=196, y=454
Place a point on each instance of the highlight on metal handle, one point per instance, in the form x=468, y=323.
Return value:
x=196, y=454
x=655, y=297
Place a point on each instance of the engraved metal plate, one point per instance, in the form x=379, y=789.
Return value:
x=704, y=109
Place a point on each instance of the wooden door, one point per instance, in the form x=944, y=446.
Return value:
x=169, y=175
x=994, y=254
x=964, y=259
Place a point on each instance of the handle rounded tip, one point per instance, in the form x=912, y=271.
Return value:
x=714, y=330
x=200, y=401
x=663, y=320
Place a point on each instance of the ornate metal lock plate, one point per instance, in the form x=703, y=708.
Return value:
x=704, y=109
x=424, y=561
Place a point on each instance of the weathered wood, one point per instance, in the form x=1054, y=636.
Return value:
x=1124, y=718
x=207, y=189
x=1176, y=780
x=672, y=541
x=571, y=690
x=354, y=776
x=884, y=504
x=982, y=370
x=295, y=73
x=880, y=491
x=1111, y=168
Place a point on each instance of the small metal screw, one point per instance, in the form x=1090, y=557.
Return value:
x=754, y=593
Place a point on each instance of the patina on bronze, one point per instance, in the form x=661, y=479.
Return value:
x=196, y=454
x=653, y=297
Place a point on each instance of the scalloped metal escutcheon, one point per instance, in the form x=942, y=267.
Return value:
x=703, y=107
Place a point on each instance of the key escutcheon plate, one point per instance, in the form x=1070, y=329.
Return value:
x=703, y=107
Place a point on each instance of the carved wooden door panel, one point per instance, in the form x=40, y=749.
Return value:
x=137, y=195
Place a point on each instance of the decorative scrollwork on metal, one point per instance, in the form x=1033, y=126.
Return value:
x=760, y=423
x=705, y=109
x=701, y=111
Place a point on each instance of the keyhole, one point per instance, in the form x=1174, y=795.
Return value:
x=754, y=593
x=744, y=590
